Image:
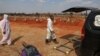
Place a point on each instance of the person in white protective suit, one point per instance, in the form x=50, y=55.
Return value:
x=50, y=31
x=5, y=28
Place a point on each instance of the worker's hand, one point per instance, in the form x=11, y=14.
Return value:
x=4, y=32
x=52, y=32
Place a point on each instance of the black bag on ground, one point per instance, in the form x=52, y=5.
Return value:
x=30, y=50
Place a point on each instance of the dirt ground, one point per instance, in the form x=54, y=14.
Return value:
x=34, y=33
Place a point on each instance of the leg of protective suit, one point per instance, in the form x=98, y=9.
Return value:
x=9, y=41
x=48, y=35
x=3, y=41
x=6, y=39
x=53, y=36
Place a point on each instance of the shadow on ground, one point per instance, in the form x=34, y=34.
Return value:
x=16, y=39
x=75, y=40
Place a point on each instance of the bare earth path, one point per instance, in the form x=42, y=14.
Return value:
x=34, y=33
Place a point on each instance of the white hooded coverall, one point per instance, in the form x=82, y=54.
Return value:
x=5, y=28
x=50, y=29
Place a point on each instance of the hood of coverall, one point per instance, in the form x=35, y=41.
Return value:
x=97, y=20
x=5, y=16
x=49, y=19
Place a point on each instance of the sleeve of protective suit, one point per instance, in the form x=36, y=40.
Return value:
x=7, y=27
x=4, y=28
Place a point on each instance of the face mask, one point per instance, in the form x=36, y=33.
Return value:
x=97, y=21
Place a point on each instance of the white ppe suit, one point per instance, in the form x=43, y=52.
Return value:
x=50, y=35
x=5, y=28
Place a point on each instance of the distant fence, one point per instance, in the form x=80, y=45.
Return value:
x=66, y=18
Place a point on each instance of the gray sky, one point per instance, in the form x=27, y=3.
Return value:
x=43, y=6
